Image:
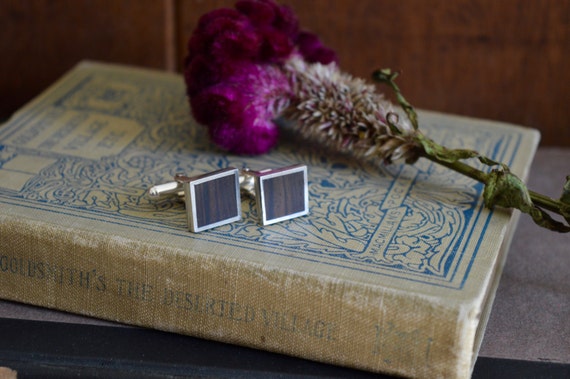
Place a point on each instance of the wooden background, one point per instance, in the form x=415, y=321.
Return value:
x=499, y=59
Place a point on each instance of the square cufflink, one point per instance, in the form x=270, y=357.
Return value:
x=211, y=199
x=280, y=194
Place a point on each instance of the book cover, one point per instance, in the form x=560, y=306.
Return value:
x=394, y=269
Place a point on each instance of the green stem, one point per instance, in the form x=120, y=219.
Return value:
x=461, y=168
x=545, y=202
x=538, y=199
x=501, y=186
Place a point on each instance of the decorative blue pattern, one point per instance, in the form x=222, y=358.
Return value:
x=404, y=221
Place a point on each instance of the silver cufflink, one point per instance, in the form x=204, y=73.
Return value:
x=213, y=199
x=280, y=194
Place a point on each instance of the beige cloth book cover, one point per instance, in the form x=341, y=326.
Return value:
x=393, y=270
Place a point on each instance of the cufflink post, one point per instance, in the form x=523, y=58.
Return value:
x=211, y=199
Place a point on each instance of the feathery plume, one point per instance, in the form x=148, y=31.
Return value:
x=251, y=66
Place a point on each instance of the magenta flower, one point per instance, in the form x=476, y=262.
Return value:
x=249, y=66
x=239, y=111
x=235, y=72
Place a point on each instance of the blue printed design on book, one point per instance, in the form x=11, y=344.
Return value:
x=361, y=217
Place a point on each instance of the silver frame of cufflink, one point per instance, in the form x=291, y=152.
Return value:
x=269, y=200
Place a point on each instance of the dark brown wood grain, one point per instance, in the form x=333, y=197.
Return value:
x=42, y=39
x=283, y=195
x=216, y=201
x=503, y=60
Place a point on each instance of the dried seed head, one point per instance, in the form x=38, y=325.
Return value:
x=346, y=114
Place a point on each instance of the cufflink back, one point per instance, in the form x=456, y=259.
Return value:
x=280, y=194
x=212, y=199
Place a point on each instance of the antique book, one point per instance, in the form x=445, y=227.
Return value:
x=393, y=270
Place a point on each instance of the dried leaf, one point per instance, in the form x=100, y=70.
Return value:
x=505, y=189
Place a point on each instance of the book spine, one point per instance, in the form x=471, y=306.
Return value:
x=233, y=301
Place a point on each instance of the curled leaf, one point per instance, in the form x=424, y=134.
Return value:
x=505, y=189
x=442, y=153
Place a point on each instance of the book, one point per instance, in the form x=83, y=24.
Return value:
x=393, y=270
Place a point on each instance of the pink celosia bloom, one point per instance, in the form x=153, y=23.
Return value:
x=240, y=110
x=313, y=50
x=235, y=75
x=248, y=66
